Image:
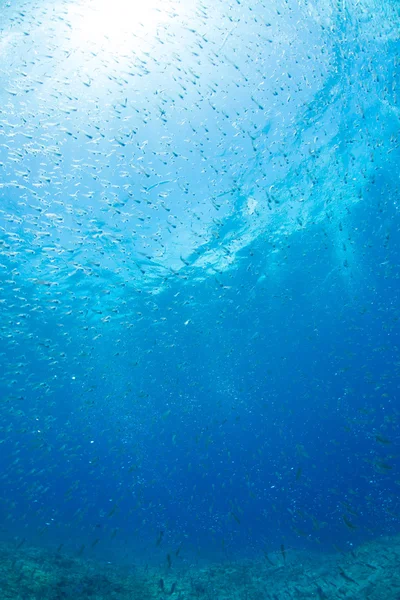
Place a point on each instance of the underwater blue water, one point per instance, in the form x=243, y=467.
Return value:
x=199, y=276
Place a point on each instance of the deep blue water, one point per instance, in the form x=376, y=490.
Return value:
x=199, y=262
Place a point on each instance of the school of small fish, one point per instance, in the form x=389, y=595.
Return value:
x=144, y=150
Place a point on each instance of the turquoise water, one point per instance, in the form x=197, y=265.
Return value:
x=199, y=263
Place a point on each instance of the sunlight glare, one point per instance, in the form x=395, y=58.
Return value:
x=110, y=24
